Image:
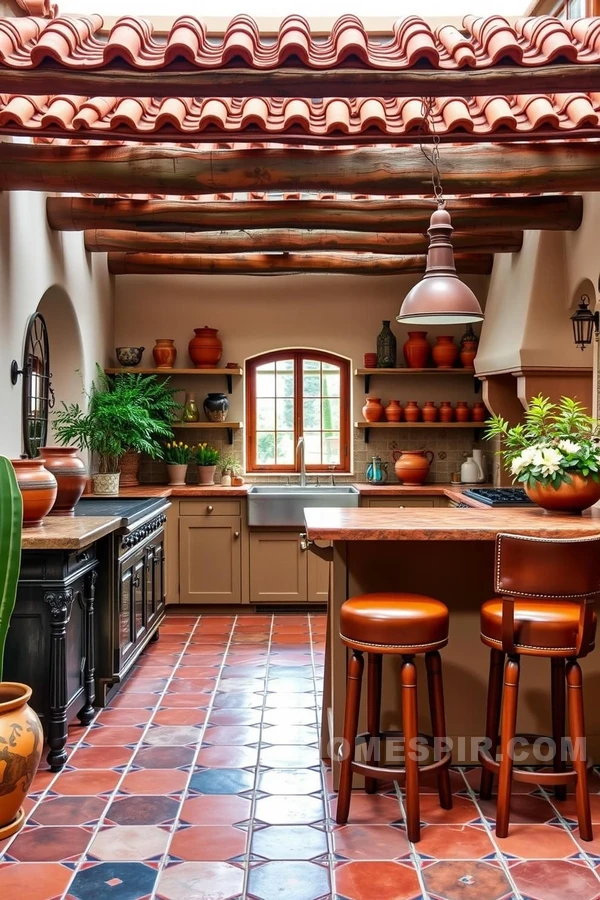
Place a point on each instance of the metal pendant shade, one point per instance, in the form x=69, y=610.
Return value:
x=440, y=298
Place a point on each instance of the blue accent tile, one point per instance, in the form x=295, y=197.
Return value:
x=113, y=881
x=221, y=781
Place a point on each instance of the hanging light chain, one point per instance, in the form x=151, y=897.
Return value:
x=433, y=157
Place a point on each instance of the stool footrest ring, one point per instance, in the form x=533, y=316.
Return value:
x=526, y=776
x=385, y=773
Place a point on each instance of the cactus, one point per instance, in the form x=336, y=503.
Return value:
x=11, y=522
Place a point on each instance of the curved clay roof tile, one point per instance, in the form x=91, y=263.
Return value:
x=539, y=110
x=497, y=39
x=498, y=113
x=372, y=114
x=417, y=41
x=255, y=112
x=66, y=37
x=455, y=114
x=130, y=39
x=337, y=116
x=130, y=111
x=578, y=109
x=19, y=110
x=60, y=111
x=214, y=112
x=93, y=110
x=186, y=40
x=548, y=38
x=411, y=110
x=173, y=111
x=296, y=111
x=456, y=45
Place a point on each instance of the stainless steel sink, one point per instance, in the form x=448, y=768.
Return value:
x=284, y=505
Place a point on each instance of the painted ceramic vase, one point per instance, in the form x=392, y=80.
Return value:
x=106, y=482
x=129, y=356
x=446, y=411
x=373, y=410
x=468, y=353
x=393, y=411
x=176, y=473
x=21, y=744
x=38, y=487
x=445, y=352
x=412, y=466
x=206, y=474
x=216, y=407
x=479, y=412
x=129, y=464
x=164, y=353
x=416, y=350
x=462, y=411
x=580, y=494
x=386, y=347
x=412, y=413
x=206, y=348
x=71, y=477
x=429, y=411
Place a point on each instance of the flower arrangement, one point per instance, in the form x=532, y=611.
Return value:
x=178, y=454
x=555, y=442
x=207, y=455
x=230, y=465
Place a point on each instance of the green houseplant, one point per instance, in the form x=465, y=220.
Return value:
x=177, y=455
x=129, y=412
x=207, y=460
x=21, y=738
x=554, y=453
x=229, y=466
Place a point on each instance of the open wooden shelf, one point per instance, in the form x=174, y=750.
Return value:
x=367, y=373
x=139, y=370
x=230, y=427
x=366, y=426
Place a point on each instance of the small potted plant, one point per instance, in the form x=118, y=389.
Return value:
x=229, y=468
x=207, y=460
x=554, y=453
x=177, y=455
x=21, y=738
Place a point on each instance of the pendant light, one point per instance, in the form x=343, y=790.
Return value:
x=440, y=298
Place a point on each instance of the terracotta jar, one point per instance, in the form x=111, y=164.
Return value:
x=393, y=411
x=429, y=411
x=71, y=477
x=21, y=743
x=463, y=413
x=412, y=466
x=479, y=412
x=574, y=497
x=446, y=411
x=445, y=352
x=164, y=353
x=468, y=353
x=129, y=465
x=206, y=348
x=416, y=350
x=412, y=413
x=373, y=410
x=370, y=360
x=38, y=487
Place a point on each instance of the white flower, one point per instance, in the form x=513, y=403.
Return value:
x=518, y=464
x=569, y=446
x=529, y=454
x=548, y=460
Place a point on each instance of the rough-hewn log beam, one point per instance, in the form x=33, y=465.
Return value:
x=118, y=80
x=290, y=240
x=555, y=213
x=485, y=169
x=284, y=264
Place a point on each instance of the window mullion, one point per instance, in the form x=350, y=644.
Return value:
x=298, y=403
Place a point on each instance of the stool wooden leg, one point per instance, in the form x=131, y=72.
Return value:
x=507, y=734
x=558, y=721
x=410, y=728
x=353, y=686
x=374, y=714
x=492, y=724
x=579, y=756
x=435, y=686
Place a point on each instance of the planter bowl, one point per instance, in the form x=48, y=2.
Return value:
x=579, y=494
x=129, y=356
x=21, y=743
x=106, y=483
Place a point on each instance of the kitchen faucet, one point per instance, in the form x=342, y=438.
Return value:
x=300, y=447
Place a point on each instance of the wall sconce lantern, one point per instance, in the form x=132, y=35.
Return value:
x=585, y=323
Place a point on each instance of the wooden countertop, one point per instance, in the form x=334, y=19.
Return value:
x=68, y=533
x=431, y=524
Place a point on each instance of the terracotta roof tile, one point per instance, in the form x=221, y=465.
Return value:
x=79, y=43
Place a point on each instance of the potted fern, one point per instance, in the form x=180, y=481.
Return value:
x=207, y=460
x=554, y=453
x=21, y=738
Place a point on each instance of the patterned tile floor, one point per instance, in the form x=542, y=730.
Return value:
x=202, y=781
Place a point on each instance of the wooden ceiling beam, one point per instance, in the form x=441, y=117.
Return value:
x=290, y=240
x=285, y=264
x=554, y=213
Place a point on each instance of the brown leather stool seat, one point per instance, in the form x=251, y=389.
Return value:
x=539, y=627
x=394, y=623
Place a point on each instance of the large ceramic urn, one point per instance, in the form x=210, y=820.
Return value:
x=21, y=744
x=71, y=477
x=570, y=497
x=206, y=348
x=412, y=466
x=38, y=487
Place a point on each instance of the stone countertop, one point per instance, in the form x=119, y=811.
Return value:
x=431, y=524
x=68, y=533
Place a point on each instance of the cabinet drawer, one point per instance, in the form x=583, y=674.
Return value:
x=210, y=507
x=400, y=502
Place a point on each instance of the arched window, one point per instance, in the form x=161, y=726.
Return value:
x=292, y=394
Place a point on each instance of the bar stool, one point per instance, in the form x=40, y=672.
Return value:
x=401, y=625
x=548, y=589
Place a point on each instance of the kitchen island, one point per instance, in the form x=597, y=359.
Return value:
x=449, y=554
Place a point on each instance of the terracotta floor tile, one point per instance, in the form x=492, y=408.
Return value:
x=131, y=843
x=248, y=685
x=100, y=757
x=123, y=717
x=568, y=810
x=200, y=881
x=289, y=781
x=370, y=842
x=142, y=810
x=289, y=700
x=298, y=716
x=289, y=757
x=289, y=881
x=179, y=717
x=164, y=757
x=154, y=781
x=191, y=686
x=172, y=735
x=42, y=778
x=555, y=880
x=289, y=842
x=454, y=842
x=231, y=757
x=196, y=671
x=371, y=809
x=215, y=810
x=86, y=781
x=525, y=809
x=77, y=810
x=202, y=842
x=537, y=842
x=185, y=701
x=237, y=701
x=49, y=844
x=34, y=881
x=290, y=734
x=290, y=810
x=232, y=734
x=383, y=880
x=466, y=880
x=123, y=700
x=463, y=810
x=141, y=683
x=235, y=717
x=114, y=736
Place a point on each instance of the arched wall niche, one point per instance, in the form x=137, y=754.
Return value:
x=66, y=347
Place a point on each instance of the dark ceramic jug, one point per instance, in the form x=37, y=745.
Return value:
x=216, y=407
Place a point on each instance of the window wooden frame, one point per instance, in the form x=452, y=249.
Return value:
x=298, y=356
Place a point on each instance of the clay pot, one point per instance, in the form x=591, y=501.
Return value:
x=468, y=354
x=71, y=477
x=463, y=413
x=370, y=360
x=373, y=410
x=429, y=411
x=416, y=350
x=38, y=487
x=580, y=494
x=106, y=482
x=206, y=348
x=177, y=472
x=216, y=407
x=412, y=466
x=479, y=412
x=129, y=464
x=445, y=352
x=21, y=744
x=206, y=474
x=237, y=480
x=412, y=413
x=164, y=353
x=446, y=411
x=393, y=411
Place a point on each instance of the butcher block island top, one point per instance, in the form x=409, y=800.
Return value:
x=455, y=524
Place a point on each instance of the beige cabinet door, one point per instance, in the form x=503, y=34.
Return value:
x=278, y=567
x=210, y=559
x=318, y=576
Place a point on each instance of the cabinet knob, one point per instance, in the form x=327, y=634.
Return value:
x=209, y=509
x=236, y=534
x=304, y=542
